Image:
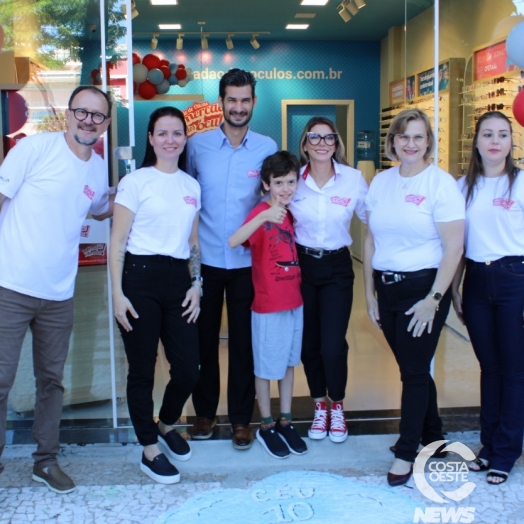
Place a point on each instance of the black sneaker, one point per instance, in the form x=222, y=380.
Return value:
x=174, y=445
x=272, y=443
x=160, y=469
x=290, y=436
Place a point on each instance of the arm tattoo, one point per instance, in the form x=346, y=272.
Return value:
x=194, y=261
x=121, y=256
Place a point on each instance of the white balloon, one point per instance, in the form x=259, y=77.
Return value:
x=190, y=77
x=515, y=45
x=189, y=70
x=183, y=82
x=140, y=72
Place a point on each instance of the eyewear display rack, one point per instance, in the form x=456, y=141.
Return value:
x=491, y=94
x=449, y=118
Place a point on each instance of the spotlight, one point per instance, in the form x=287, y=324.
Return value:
x=229, y=42
x=254, y=42
x=360, y=3
x=179, y=42
x=203, y=42
x=344, y=13
x=154, y=42
x=351, y=7
x=134, y=12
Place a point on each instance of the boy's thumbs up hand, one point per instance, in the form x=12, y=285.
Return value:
x=275, y=214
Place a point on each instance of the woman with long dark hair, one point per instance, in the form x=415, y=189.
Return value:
x=155, y=270
x=329, y=191
x=492, y=301
x=412, y=249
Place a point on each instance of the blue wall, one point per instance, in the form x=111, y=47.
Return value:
x=354, y=68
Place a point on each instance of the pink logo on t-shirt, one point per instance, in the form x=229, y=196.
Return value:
x=84, y=231
x=341, y=201
x=190, y=200
x=505, y=203
x=253, y=173
x=89, y=192
x=415, y=199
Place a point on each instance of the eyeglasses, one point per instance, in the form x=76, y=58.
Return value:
x=403, y=140
x=314, y=139
x=82, y=114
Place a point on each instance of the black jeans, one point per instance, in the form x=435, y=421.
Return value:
x=493, y=304
x=419, y=418
x=156, y=286
x=327, y=291
x=238, y=286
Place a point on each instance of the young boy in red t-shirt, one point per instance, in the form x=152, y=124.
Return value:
x=276, y=316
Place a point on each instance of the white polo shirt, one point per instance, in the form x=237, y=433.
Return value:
x=49, y=192
x=322, y=215
x=165, y=206
x=403, y=214
x=494, y=218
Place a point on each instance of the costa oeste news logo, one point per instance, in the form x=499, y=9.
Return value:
x=441, y=471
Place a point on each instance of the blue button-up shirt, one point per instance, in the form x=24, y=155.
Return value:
x=230, y=182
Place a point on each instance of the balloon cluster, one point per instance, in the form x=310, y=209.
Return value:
x=153, y=76
x=96, y=74
x=515, y=51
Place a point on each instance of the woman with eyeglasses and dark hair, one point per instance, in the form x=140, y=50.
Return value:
x=492, y=302
x=414, y=243
x=155, y=270
x=329, y=192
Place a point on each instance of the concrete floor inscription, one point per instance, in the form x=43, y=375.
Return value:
x=309, y=497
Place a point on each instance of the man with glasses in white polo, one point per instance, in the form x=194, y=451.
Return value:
x=49, y=182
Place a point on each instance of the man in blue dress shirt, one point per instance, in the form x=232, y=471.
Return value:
x=226, y=162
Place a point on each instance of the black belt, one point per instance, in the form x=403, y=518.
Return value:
x=392, y=277
x=317, y=252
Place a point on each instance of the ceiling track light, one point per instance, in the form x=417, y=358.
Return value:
x=134, y=12
x=154, y=42
x=360, y=3
x=229, y=42
x=343, y=12
x=204, y=42
x=351, y=7
x=254, y=42
x=180, y=42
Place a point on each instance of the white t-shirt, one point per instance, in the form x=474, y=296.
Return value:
x=403, y=216
x=165, y=206
x=49, y=192
x=322, y=216
x=494, y=219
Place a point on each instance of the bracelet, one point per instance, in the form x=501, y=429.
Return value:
x=200, y=288
x=197, y=279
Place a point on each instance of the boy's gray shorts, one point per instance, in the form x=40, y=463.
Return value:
x=277, y=342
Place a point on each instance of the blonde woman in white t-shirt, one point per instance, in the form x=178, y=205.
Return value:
x=155, y=270
x=492, y=304
x=412, y=249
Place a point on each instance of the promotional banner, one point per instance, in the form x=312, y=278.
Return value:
x=491, y=61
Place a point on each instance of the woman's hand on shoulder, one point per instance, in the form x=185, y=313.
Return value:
x=192, y=301
x=121, y=305
x=423, y=314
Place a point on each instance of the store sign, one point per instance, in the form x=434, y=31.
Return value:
x=426, y=80
x=491, y=61
x=396, y=92
x=202, y=116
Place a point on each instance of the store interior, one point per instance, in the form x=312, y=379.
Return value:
x=357, y=62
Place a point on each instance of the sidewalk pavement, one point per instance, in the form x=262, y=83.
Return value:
x=331, y=484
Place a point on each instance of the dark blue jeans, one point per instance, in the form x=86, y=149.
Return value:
x=419, y=417
x=493, y=304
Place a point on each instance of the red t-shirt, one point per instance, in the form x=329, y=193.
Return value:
x=276, y=273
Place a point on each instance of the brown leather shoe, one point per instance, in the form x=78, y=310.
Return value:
x=203, y=428
x=242, y=436
x=399, y=480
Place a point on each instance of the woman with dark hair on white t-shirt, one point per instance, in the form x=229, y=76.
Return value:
x=412, y=249
x=492, y=304
x=155, y=270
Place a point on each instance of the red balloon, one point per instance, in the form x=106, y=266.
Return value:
x=166, y=71
x=17, y=112
x=181, y=74
x=518, y=108
x=147, y=90
x=181, y=66
x=136, y=59
x=151, y=61
x=164, y=62
x=94, y=72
